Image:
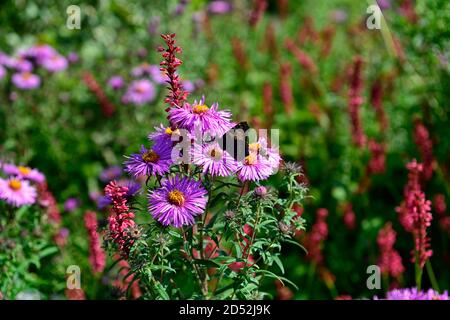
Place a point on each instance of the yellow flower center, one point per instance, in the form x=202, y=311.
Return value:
x=199, y=109
x=150, y=157
x=254, y=147
x=250, y=159
x=169, y=131
x=24, y=170
x=176, y=197
x=15, y=184
x=26, y=75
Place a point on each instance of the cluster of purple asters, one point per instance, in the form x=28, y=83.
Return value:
x=187, y=152
x=25, y=63
x=19, y=188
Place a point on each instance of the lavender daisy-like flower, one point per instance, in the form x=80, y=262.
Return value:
x=24, y=172
x=140, y=92
x=17, y=192
x=178, y=201
x=214, y=160
x=55, y=63
x=115, y=82
x=156, y=160
x=210, y=120
x=261, y=148
x=26, y=80
x=254, y=168
x=163, y=136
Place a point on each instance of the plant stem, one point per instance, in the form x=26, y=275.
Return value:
x=431, y=275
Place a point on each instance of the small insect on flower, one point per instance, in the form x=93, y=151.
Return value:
x=17, y=192
x=178, y=201
x=156, y=160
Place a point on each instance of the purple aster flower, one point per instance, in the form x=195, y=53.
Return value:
x=73, y=57
x=24, y=172
x=115, y=82
x=208, y=120
x=140, y=92
x=22, y=65
x=164, y=136
x=219, y=7
x=214, y=160
x=157, y=75
x=2, y=72
x=272, y=155
x=142, y=70
x=71, y=204
x=414, y=294
x=178, y=201
x=26, y=80
x=110, y=173
x=17, y=192
x=253, y=168
x=156, y=160
x=55, y=63
x=41, y=52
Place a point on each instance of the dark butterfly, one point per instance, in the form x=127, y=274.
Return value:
x=236, y=142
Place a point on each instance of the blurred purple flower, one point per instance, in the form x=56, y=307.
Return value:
x=110, y=173
x=116, y=82
x=338, y=16
x=72, y=57
x=71, y=204
x=188, y=85
x=153, y=25
x=55, y=63
x=384, y=4
x=40, y=52
x=157, y=75
x=142, y=70
x=22, y=65
x=140, y=92
x=26, y=80
x=2, y=72
x=219, y=7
